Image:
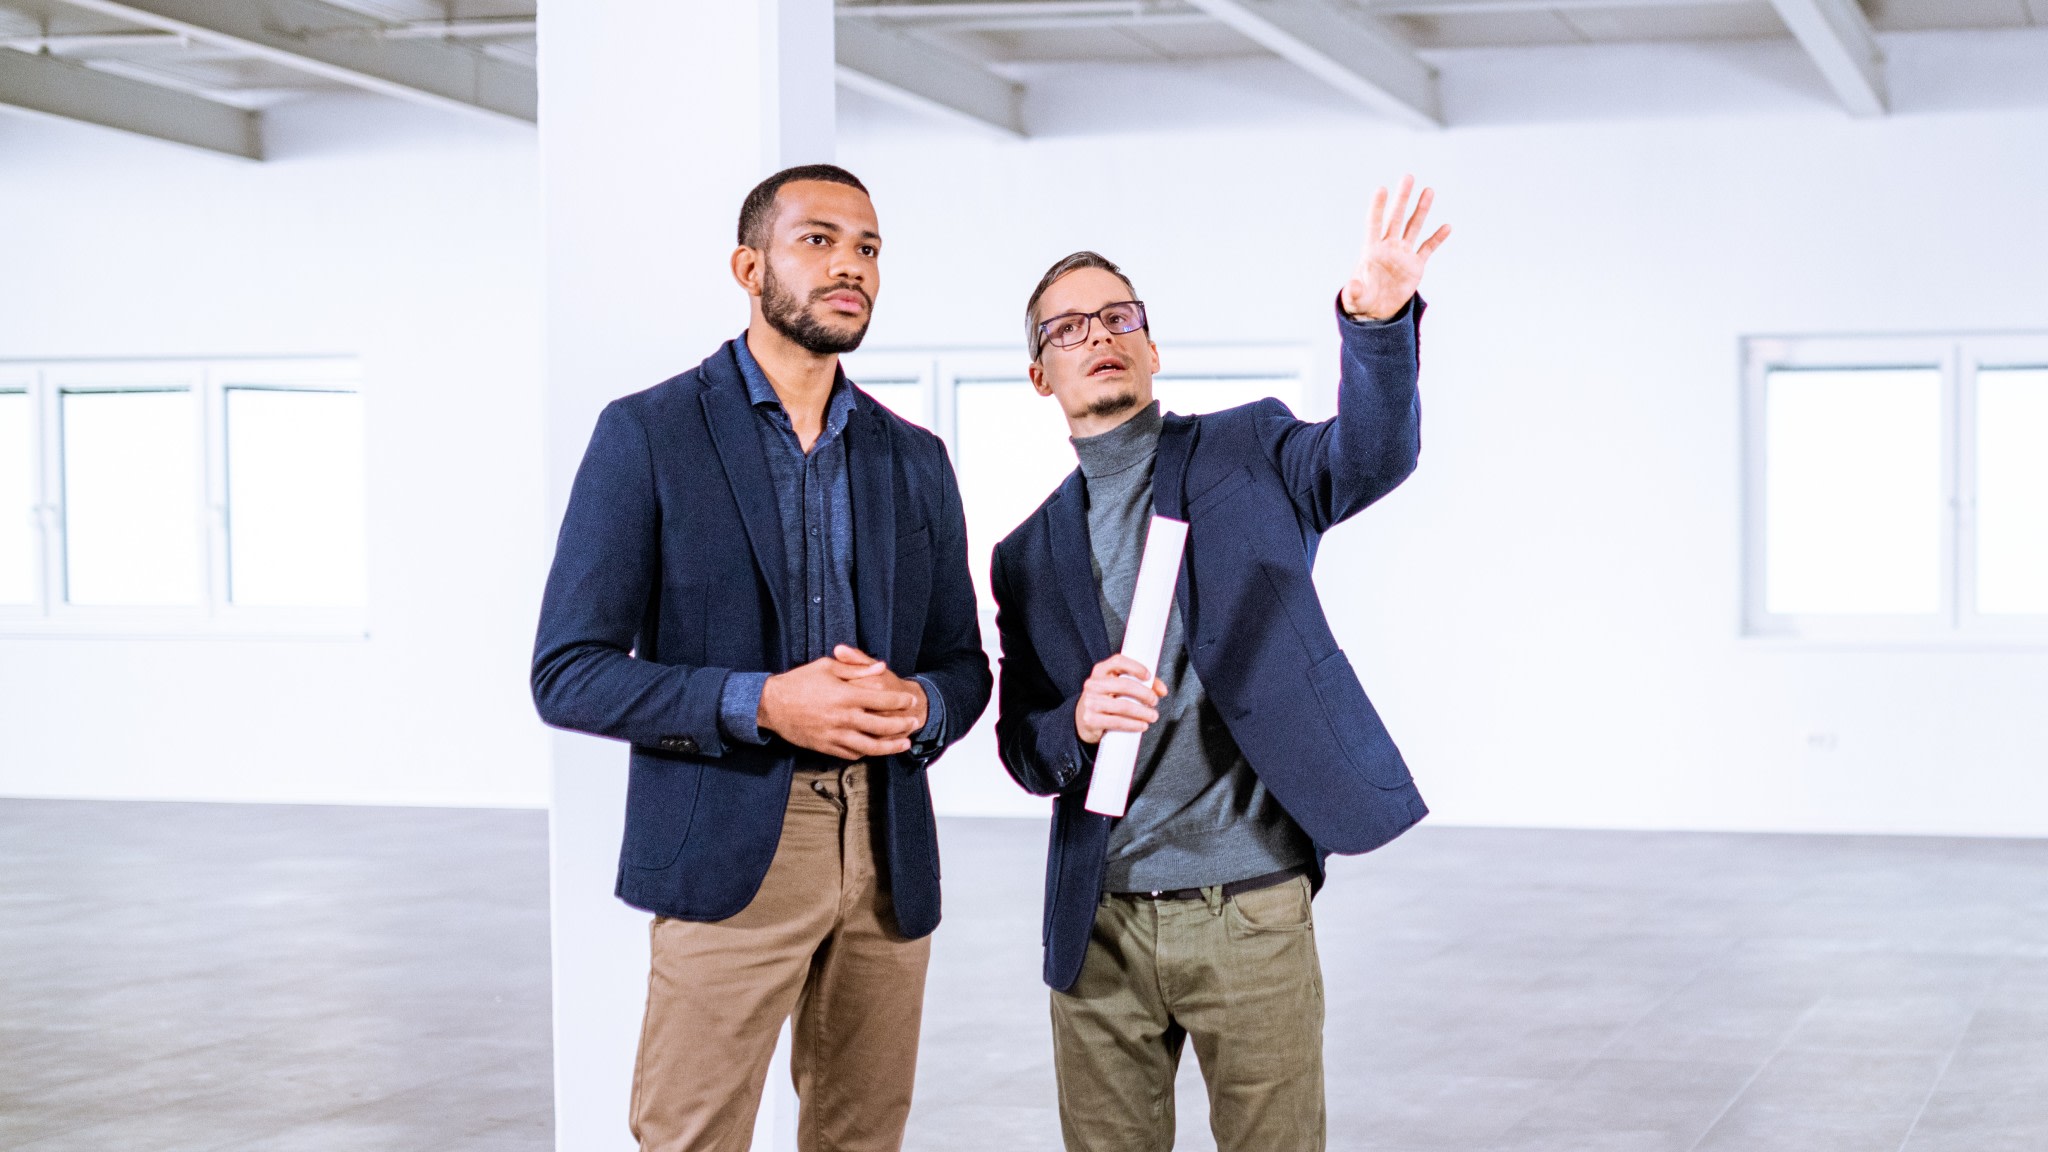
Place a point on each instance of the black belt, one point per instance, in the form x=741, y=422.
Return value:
x=1234, y=888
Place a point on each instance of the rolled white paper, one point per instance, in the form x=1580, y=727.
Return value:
x=1116, y=759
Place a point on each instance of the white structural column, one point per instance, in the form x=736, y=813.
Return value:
x=655, y=120
x=1340, y=49
x=1838, y=37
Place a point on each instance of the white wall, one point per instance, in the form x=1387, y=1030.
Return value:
x=1547, y=612
x=409, y=239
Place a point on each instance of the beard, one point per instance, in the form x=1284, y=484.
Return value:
x=793, y=318
x=1113, y=404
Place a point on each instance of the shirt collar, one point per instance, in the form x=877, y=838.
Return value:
x=759, y=391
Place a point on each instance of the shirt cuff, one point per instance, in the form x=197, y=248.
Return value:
x=739, y=707
x=934, y=719
x=1400, y=317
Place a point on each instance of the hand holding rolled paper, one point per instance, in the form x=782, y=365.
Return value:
x=1121, y=712
x=1118, y=697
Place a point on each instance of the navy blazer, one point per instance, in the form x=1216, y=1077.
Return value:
x=668, y=574
x=1258, y=489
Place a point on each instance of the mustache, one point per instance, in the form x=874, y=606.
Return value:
x=818, y=294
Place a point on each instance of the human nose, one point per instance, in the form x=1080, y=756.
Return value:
x=848, y=265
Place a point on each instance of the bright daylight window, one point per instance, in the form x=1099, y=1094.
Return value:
x=1897, y=489
x=182, y=496
x=1009, y=444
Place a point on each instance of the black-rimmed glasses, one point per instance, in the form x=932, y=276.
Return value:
x=1070, y=328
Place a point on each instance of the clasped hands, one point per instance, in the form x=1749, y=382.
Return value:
x=847, y=705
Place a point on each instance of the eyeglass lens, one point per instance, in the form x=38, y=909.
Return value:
x=1069, y=329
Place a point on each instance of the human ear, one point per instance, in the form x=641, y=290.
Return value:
x=1039, y=384
x=746, y=269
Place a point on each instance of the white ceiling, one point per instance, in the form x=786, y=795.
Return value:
x=213, y=61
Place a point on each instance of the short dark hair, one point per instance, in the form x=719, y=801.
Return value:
x=1066, y=264
x=759, y=205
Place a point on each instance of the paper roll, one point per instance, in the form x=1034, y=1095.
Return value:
x=1116, y=759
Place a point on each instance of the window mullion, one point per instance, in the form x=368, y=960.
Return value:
x=50, y=507
x=213, y=494
x=1954, y=531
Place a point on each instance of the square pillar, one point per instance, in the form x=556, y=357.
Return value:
x=655, y=120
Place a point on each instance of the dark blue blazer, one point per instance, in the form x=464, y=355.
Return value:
x=1258, y=489
x=669, y=573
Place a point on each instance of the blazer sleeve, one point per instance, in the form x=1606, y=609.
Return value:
x=606, y=572
x=1035, y=733
x=1334, y=469
x=950, y=655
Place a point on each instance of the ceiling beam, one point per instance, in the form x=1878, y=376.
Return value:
x=423, y=71
x=1339, y=49
x=1513, y=7
x=913, y=74
x=51, y=87
x=1024, y=15
x=1836, y=35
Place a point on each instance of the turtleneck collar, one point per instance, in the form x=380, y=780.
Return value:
x=1122, y=448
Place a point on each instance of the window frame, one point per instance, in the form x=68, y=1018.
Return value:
x=1959, y=360
x=215, y=614
x=942, y=370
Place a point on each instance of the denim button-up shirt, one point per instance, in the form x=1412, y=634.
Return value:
x=814, y=493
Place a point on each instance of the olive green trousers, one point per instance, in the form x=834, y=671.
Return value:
x=1238, y=976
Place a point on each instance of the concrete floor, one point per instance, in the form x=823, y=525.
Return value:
x=188, y=977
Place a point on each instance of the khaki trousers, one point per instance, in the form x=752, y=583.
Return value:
x=1240, y=977
x=819, y=942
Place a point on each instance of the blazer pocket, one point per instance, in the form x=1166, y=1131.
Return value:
x=661, y=800
x=1218, y=492
x=1355, y=724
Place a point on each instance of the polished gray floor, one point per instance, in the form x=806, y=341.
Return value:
x=188, y=977
x=195, y=977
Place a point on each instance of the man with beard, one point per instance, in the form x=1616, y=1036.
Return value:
x=761, y=584
x=1188, y=918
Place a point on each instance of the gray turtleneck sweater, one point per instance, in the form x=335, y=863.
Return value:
x=1198, y=814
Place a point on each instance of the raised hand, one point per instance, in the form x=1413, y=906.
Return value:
x=1390, y=265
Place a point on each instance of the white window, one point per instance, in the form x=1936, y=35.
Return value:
x=18, y=528
x=182, y=496
x=1897, y=489
x=1009, y=444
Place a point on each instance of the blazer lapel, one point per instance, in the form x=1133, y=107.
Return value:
x=737, y=437
x=1073, y=568
x=871, y=474
x=1169, y=486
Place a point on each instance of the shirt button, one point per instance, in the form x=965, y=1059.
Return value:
x=814, y=531
x=817, y=599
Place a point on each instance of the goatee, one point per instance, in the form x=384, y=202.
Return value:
x=1113, y=405
x=793, y=318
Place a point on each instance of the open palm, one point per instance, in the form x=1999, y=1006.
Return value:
x=1391, y=263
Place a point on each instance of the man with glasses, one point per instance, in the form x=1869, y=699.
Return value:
x=761, y=584
x=1189, y=916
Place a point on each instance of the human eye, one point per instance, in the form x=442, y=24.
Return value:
x=1067, y=325
x=1119, y=317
